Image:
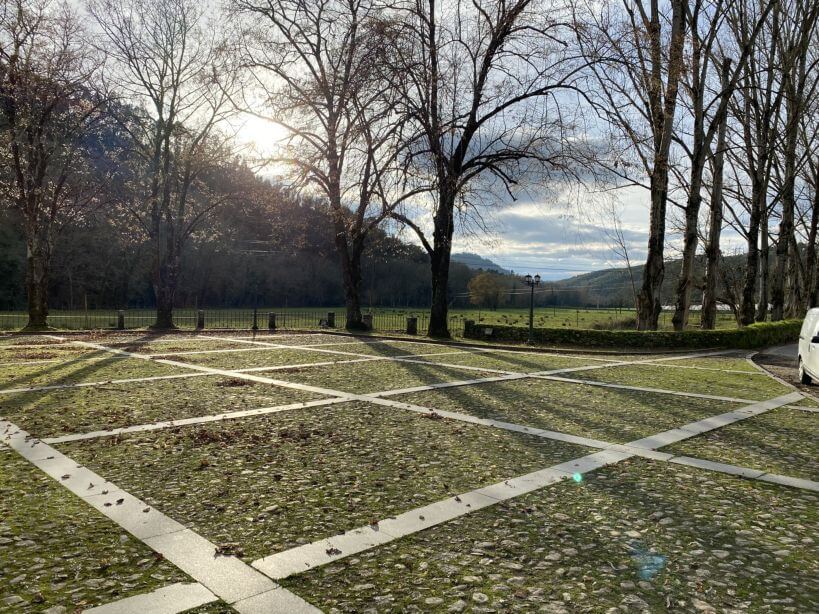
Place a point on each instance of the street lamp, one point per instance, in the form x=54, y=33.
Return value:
x=532, y=282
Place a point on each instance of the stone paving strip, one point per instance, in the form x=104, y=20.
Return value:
x=337, y=396
x=682, y=432
x=378, y=397
x=648, y=362
x=131, y=380
x=779, y=442
x=247, y=590
x=135, y=380
x=28, y=362
x=738, y=371
x=155, y=426
x=677, y=393
x=813, y=410
x=166, y=600
x=322, y=552
x=637, y=537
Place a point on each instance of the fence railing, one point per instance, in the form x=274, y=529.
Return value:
x=239, y=319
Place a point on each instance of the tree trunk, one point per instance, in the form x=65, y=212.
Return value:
x=795, y=297
x=648, y=300
x=439, y=263
x=37, y=270
x=351, y=280
x=708, y=318
x=166, y=276
x=764, y=271
x=663, y=103
x=748, y=302
x=692, y=214
x=783, y=253
x=812, y=272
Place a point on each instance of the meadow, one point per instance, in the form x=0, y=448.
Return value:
x=385, y=319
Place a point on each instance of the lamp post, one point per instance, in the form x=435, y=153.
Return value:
x=532, y=282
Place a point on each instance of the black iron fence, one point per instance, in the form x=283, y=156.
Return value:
x=387, y=321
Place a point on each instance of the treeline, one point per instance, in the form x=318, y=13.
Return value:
x=417, y=114
x=276, y=250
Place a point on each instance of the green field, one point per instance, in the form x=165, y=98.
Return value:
x=385, y=319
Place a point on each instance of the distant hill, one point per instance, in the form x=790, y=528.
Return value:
x=613, y=286
x=474, y=261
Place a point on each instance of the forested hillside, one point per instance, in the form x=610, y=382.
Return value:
x=274, y=248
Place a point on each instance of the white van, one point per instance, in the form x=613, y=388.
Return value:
x=809, y=347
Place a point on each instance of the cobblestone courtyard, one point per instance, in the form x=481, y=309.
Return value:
x=298, y=473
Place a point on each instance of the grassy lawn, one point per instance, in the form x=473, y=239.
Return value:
x=782, y=441
x=641, y=536
x=258, y=357
x=376, y=376
x=636, y=536
x=610, y=415
x=172, y=344
x=55, y=550
x=717, y=362
x=79, y=410
x=90, y=367
x=275, y=482
x=689, y=380
x=519, y=363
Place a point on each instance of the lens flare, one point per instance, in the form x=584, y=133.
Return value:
x=578, y=477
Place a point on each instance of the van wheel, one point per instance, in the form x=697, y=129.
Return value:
x=803, y=376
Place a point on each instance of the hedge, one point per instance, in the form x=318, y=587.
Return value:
x=749, y=337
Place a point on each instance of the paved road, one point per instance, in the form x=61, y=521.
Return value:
x=785, y=351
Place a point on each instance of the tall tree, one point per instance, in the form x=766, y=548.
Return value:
x=167, y=61
x=752, y=140
x=638, y=65
x=705, y=22
x=713, y=253
x=47, y=113
x=315, y=65
x=799, y=83
x=488, y=85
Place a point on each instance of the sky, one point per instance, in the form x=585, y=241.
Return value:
x=565, y=239
x=556, y=236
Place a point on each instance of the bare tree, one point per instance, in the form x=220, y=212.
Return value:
x=799, y=84
x=612, y=224
x=751, y=144
x=315, y=65
x=488, y=85
x=809, y=139
x=637, y=60
x=708, y=315
x=167, y=62
x=47, y=111
x=706, y=20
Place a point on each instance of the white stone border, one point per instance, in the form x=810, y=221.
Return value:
x=225, y=576
x=166, y=600
x=166, y=424
x=322, y=552
x=360, y=539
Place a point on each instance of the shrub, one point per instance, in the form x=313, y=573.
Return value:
x=624, y=324
x=749, y=337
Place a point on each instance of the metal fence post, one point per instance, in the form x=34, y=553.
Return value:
x=255, y=319
x=271, y=321
x=120, y=320
x=200, y=319
x=412, y=325
x=331, y=319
